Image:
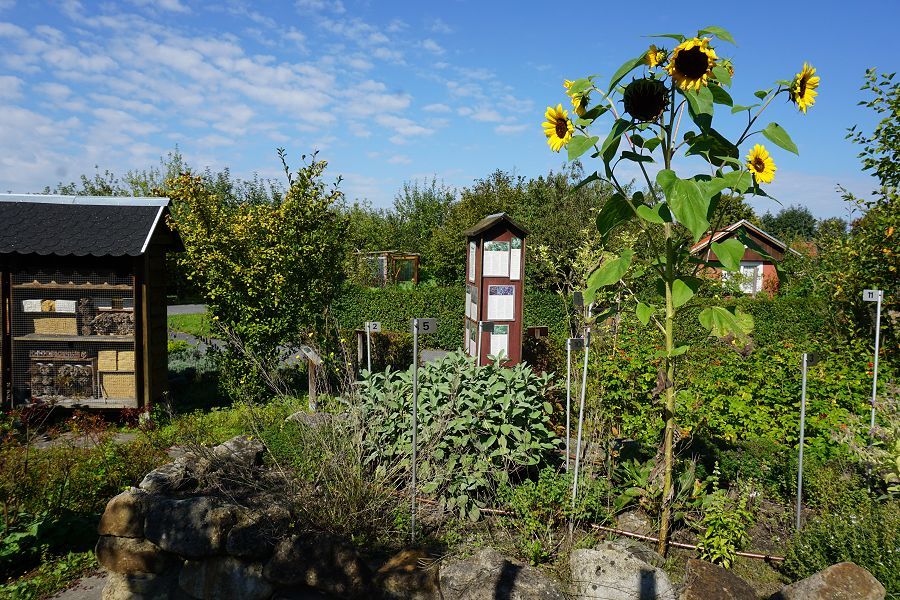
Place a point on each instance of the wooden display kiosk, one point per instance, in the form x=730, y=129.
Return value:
x=495, y=272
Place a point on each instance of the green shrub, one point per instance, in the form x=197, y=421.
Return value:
x=478, y=427
x=541, y=508
x=51, y=577
x=726, y=522
x=867, y=534
x=178, y=347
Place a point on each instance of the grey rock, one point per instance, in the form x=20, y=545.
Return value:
x=241, y=450
x=488, y=575
x=706, y=581
x=637, y=549
x=224, y=577
x=193, y=527
x=172, y=478
x=610, y=573
x=256, y=533
x=635, y=521
x=124, y=514
x=409, y=575
x=321, y=562
x=132, y=555
x=843, y=581
x=316, y=419
x=141, y=587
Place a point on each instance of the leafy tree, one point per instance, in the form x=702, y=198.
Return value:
x=267, y=270
x=880, y=151
x=790, y=223
x=731, y=209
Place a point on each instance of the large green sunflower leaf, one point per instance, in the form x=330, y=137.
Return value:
x=778, y=136
x=658, y=214
x=651, y=144
x=665, y=178
x=612, y=140
x=720, y=96
x=730, y=252
x=718, y=32
x=579, y=85
x=634, y=156
x=644, y=312
x=615, y=211
x=689, y=205
x=739, y=108
x=610, y=272
x=722, y=75
x=739, y=181
x=592, y=177
x=713, y=145
x=700, y=101
x=579, y=144
x=675, y=36
x=683, y=289
x=624, y=70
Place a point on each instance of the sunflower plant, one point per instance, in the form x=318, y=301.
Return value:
x=664, y=112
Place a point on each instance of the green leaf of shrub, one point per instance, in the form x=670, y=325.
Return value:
x=730, y=252
x=778, y=136
x=720, y=322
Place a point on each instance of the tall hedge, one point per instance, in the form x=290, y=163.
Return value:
x=394, y=307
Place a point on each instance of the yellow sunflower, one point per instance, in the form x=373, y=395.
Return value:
x=579, y=101
x=655, y=56
x=761, y=164
x=692, y=63
x=558, y=128
x=803, y=88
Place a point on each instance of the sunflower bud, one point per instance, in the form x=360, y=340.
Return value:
x=645, y=99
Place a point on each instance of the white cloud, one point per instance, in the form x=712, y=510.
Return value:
x=432, y=46
x=335, y=6
x=510, y=129
x=437, y=108
x=439, y=26
x=399, y=159
x=169, y=5
x=10, y=87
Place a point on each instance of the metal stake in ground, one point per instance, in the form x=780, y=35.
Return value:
x=875, y=296
x=802, y=431
x=424, y=326
x=571, y=344
x=415, y=403
x=371, y=327
x=587, y=349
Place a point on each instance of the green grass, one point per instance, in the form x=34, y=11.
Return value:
x=51, y=577
x=196, y=325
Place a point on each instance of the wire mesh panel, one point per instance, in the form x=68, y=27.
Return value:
x=73, y=338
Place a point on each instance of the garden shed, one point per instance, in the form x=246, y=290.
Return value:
x=762, y=251
x=83, y=297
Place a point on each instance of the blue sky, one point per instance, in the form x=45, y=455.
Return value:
x=393, y=91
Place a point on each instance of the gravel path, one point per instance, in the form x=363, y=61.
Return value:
x=186, y=309
x=87, y=588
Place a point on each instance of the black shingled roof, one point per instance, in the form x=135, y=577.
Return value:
x=78, y=225
x=490, y=220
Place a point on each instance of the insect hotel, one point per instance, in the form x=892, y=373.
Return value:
x=83, y=297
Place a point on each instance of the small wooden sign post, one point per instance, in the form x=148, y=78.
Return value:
x=313, y=360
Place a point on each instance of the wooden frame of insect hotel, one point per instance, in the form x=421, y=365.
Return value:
x=83, y=297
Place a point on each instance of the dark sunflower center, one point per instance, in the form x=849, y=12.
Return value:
x=759, y=165
x=562, y=128
x=802, y=86
x=692, y=63
x=645, y=99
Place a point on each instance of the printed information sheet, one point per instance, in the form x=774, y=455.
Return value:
x=501, y=303
x=496, y=259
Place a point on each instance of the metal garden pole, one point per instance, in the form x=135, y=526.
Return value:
x=369, y=345
x=880, y=295
x=587, y=347
x=415, y=402
x=478, y=343
x=802, y=432
x=568, y=396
